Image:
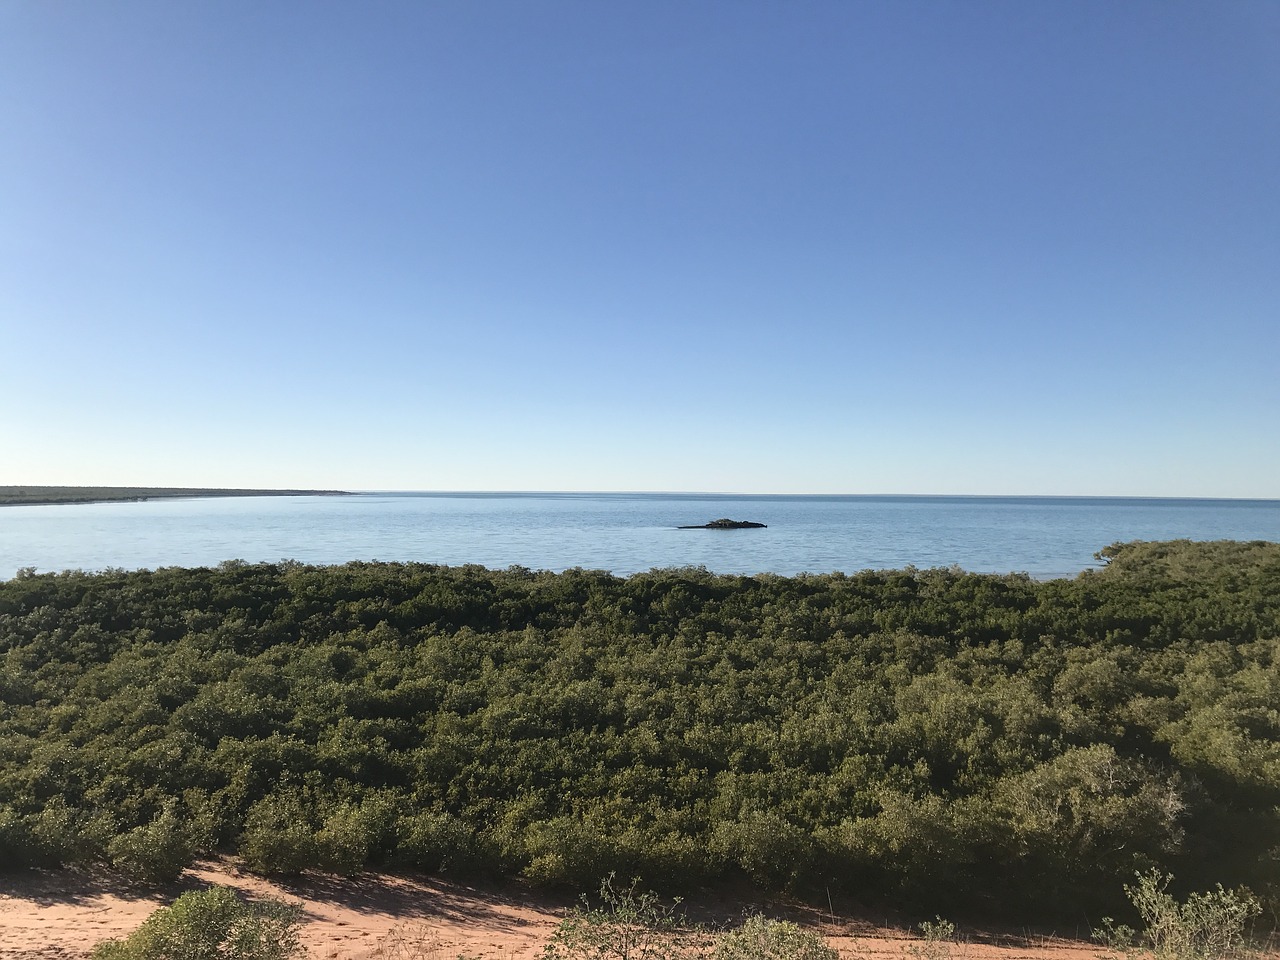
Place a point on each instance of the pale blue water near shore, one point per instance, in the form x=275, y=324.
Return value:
x=625, y=533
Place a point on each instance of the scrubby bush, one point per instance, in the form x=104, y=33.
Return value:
x=770, y=850
x=63, y=834
x=438, y=842
x=626, y=924
x=157, y=852
x=413, y=940
x=759, y=938
x=278, y=837
x=346, y=839
x=938, y=941
x=567, y=851
x=1206, y=926
x=213, y=924
x=16, y=846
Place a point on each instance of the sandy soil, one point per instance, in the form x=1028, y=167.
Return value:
x=61, y=916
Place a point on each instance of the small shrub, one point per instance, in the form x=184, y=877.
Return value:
x=156, y=852
x=760, y=938
x=769, y=849
x=567, y=851
x=938, y=941
x=212, y=924
x=436, y=842
x=625, y=926
x=61, y=834
x=1207, y=926
x=409, y=941
x=17, y=849
x=345, y=841
x=278, y=837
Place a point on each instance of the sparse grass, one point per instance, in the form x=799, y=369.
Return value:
x=415, y=941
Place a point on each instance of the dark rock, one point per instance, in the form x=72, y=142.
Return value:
x=724, y=523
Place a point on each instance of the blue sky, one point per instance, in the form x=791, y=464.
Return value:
x=856, y=247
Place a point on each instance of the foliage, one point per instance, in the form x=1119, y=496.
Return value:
x=1206, y=926
x=938, y=941
x=624, y=925
x=760, y=938
x=346, y=838
x=278, y=838
x=950, y=740
x=437, y=842
x=212, y=924
x=156, y=852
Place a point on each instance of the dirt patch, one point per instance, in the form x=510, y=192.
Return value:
x=62, y=915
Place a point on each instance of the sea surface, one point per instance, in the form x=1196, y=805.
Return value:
x=1045, y=537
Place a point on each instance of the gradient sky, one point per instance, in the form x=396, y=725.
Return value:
x=852, y=247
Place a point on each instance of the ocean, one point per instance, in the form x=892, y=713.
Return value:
x=1044, y=537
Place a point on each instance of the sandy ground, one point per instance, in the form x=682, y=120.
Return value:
x=61, y=916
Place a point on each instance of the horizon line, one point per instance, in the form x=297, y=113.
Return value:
x=727, y=493
x=529, y=492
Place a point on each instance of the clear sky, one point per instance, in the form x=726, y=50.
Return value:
x=866, y=246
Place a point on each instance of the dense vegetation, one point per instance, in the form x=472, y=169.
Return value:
x=955, y=740
x=17, y=495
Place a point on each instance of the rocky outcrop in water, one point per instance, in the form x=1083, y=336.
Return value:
x=724, y=523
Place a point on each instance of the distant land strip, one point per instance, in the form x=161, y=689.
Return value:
x=19, y=495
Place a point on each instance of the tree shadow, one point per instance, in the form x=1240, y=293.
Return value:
x=75, y=886
x=425, y=898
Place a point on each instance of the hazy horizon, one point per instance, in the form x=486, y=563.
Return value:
x=302, y=489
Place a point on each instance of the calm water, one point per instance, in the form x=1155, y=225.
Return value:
x=625, y=533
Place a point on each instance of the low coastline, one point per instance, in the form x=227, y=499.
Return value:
x=12, y=496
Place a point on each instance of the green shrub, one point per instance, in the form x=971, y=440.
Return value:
x=938, y=941
x=436, y=842
x=62, y=834
x=760, y=938
x=771, y=850
x=278, y=837
x=212, y=924
x=156, y=852
x=945, y=739
x=1206, y=926
x=345, y=841
x=626, y=925
x=567, y=851
x=17, y=849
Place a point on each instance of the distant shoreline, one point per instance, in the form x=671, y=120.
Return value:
x=14, y=496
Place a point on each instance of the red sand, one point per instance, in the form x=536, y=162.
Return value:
x=62, y=915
